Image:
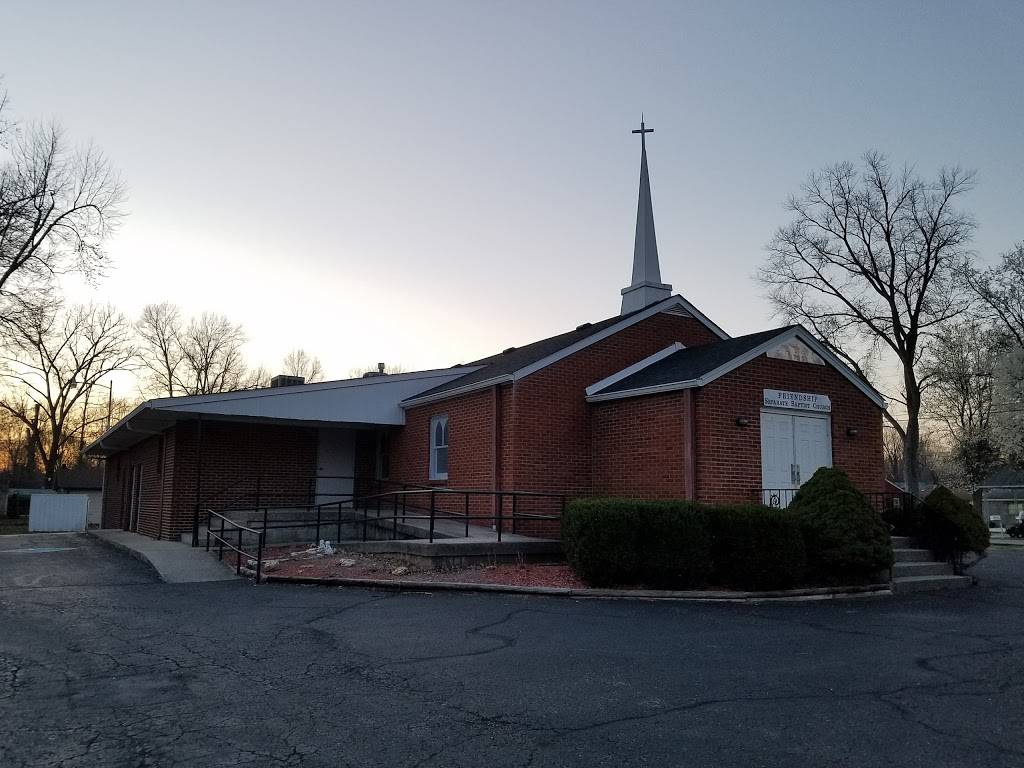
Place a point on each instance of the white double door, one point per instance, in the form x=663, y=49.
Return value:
x=793, y=447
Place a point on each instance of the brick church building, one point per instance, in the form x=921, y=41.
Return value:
x=655, y=402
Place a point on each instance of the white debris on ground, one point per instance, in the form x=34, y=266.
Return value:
x=400, y=571
x=320, y=550
x=268, y=565
x=345, y=562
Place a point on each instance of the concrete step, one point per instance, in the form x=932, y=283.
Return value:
x=900, y=570
x=907, y=584
x=912, y=555
x=901, y=541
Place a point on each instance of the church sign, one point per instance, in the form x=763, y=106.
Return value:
x=800, y=401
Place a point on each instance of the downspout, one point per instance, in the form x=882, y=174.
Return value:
x=103, y=492
x=689, y=445
x=163, y=469
x=199, y=478
x=496, y=432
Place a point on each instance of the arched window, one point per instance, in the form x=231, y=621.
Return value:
x=439, y=448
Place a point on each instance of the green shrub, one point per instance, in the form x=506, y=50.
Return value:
x=845, y=538
x=665, y=544
x=674, y=544
x=952, y=528
x=757, y=547
x=600, y=540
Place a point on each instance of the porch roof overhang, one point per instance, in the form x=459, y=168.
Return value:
x=353, y=403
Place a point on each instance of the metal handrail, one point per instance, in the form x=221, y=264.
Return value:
x=252, y=486
x=223, y=542
x=402, y=510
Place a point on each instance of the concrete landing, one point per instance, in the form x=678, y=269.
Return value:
x=174, y=562
x=444, y=554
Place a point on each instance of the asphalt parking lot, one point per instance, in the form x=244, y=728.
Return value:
x=102, y=665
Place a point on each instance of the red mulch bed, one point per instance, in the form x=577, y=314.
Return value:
x=299, y=561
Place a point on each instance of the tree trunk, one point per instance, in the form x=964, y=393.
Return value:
x=912, y=444
x=51, y=456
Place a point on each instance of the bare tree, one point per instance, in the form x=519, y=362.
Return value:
x=1008, y=408
x=202, y=357
x=960, y=365
x=160, y=353
x=870, y=265
x=299, y=362
x=49, y=362
x=212, y=349
x=1000, y=291
x=58, y=205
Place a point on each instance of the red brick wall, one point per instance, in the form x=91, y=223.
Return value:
x=544, y=426
x=283, y=456
x=552, y=419
x=545, y=422
x=729, y=456
x=234, y=455
x=471, y=446
x=639, y=447
x=155, y=483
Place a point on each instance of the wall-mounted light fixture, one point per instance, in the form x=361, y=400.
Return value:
x=851, y=432
x=742, y=422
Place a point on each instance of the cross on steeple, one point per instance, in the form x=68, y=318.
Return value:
x=646, y=287
x=642, y=130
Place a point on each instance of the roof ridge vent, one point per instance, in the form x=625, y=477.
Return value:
x=581, y=326
x=509, y=349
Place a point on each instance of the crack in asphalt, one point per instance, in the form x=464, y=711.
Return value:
x=216, y=675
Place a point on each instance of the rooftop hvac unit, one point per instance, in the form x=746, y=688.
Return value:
x=282, y=380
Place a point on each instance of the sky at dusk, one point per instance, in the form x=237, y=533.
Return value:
x=427, y=183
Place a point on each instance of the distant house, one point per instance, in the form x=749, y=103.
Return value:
x=1002, y=495
x=655, y=402
x=85, y=479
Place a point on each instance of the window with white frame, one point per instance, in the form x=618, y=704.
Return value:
x=439, y=448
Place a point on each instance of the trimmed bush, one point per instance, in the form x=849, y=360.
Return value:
x=845, y=538
x=665, y=544
x=757, y=547
x=674, y=544
x=600, y=540
x=952, y=528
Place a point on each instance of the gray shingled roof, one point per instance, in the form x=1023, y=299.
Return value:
x=693, y=362
x=515, y=358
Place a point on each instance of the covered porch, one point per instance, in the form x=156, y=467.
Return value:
x=305, y=444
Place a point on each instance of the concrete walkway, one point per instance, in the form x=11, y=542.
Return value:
x=174, y=562
x=1000, y=539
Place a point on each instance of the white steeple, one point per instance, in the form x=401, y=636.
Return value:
x=646, y=288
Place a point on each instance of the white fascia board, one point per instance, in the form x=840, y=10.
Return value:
x=828, y=355
x=654, y=389
x=113, y=428
x=412, y=402
x=654, y=309
x=256, y=401
x=636, y=367
x=703, y=318
x=798, y=332
x=247, y=394
x=611, y=330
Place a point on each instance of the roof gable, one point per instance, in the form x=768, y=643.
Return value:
x=699, y=366
x=518, y=362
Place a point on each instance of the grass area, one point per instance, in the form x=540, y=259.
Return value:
x=13, y=525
